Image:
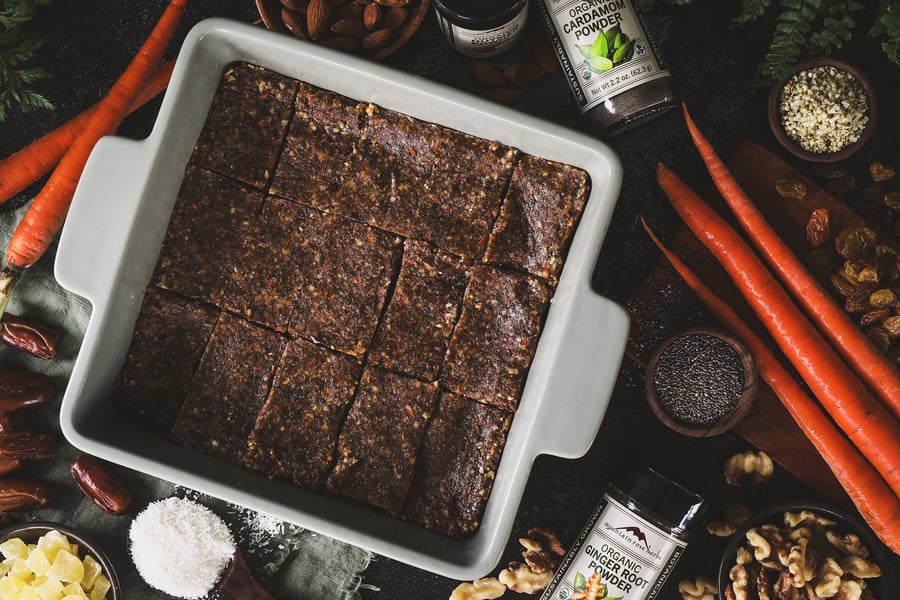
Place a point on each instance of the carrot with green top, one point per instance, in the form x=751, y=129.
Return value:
x=871, y=495
x=21, y=169
x=45, y=216
x=872, y=366
x=868, y=424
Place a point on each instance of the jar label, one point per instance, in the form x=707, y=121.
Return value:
x=618, y=555
x=484, y=42
x=603, y=47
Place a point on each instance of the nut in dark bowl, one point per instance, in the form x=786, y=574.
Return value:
x=701, y=382
x=374, y=29
x=54, y=561
x=825, y=112
x=810, y=548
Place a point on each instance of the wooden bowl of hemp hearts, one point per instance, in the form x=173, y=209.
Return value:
x=825, y=112
x=701, y=382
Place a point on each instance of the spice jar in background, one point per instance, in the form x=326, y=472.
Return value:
x=611, y=62
x=633, y=539
x=481, y=28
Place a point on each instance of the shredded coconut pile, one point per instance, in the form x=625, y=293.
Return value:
x=181, y=547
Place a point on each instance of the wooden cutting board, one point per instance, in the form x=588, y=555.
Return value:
x=662, y=305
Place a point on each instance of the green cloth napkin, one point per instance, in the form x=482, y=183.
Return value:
x=293, y=563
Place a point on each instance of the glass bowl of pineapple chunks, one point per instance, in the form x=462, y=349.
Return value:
x=49, y=561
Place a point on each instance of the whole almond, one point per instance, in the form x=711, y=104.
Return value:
x=318, y=18
x=295, y=22
x=297, y=5
x=545, y=57
x=489, y=75
x=349, y=28
x=372, y=17
x=523, y=73
x=377, y=39
x=394, y=18
x=392, y=2
x=503, y=95
x=346, y=44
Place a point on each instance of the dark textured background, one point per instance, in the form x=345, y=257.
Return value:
x=89, y=42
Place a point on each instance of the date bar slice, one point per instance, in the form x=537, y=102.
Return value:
x=412, y=337
x=494, y=342
x=246, y=123
x=455, y=470
x=296, y=433
x=169, y=337
x=542, y=206
x=381, y=438
x=208, y=224
x=229, y=388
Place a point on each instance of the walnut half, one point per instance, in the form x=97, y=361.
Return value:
x=481, y=589
x=749, y=468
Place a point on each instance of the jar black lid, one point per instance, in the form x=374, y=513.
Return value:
x=479, y=14
x=672, y=502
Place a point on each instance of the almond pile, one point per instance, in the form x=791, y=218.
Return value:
x=507, y=83
x=349, y=25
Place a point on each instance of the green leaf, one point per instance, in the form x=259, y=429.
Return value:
x=600, y=64
x=580, y=582
x=600, y=47
x=585, y=50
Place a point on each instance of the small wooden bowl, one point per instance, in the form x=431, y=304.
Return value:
x=793, y=147
x=724, y=423
x=277, y=16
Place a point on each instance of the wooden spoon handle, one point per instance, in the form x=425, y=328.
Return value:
x=238, y=582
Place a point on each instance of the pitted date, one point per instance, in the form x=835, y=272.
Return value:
x=99, y=483
x=27, y=445
x=9, y=466
x=23, y=494
x=24, y=389
x=28, y=336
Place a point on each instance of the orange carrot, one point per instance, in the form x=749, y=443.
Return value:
x=47, y=212
x=871, y=365
x=21, y=169
x=857, y=412
x=871, y=495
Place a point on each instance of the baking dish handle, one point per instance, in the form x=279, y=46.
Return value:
x=96, y=229
x=582, y=376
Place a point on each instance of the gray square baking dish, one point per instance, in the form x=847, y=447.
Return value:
x=116, y=226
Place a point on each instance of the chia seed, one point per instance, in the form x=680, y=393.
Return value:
x=699, y=379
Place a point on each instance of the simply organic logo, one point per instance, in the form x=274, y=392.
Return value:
x=611, y=48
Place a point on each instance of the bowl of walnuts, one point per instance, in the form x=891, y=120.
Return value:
x=374, y=29
x=811, y=548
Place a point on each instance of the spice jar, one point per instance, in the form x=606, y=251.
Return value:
x=631, y=542
x=611, y=62
x=481, y=28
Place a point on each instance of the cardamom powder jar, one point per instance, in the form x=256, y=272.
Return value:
x=611, y=62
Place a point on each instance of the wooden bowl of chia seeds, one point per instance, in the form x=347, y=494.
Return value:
x=825, y=112
x=701, y=382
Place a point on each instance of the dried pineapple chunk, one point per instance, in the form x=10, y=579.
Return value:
x=10, y=586
x=28, y=593
x=67, y=568
x=74, y=590
x=92, y=570
x=50, y=589
x=38, y=562
x=14, y=548
x=52, y=542
x=101, y=586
